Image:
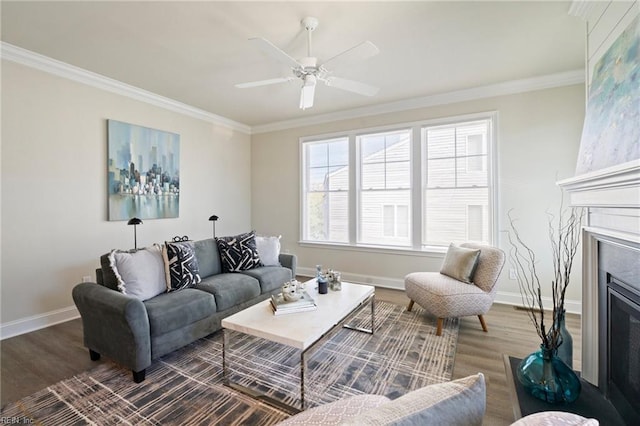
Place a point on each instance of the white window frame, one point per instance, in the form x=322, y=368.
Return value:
x=360, y=189
x=418, y=167
x=492, y=181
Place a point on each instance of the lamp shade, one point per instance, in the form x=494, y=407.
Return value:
x=213, y=217
x=134, y=221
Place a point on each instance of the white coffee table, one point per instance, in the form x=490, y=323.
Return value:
x=301, y=330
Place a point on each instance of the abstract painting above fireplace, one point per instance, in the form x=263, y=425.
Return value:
x=611, y=134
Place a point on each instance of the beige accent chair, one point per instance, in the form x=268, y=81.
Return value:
x=446, y=297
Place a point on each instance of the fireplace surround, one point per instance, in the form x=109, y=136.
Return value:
x=611, y=282
x=619, y=332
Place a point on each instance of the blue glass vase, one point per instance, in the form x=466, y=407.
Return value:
x=565, y=350
x=547, y=377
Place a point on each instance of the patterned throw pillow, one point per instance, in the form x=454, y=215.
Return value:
x=238, y=253
x=181, y=265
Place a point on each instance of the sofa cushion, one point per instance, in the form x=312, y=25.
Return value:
x=334, y=413
x=239, y=252
x=230, y=289
x=270, y=277
x=139, y=274
x=181, y=265
x=269, y=250
x=208, y=257
x=460, y=263
x=458, y=403
x=171, y=311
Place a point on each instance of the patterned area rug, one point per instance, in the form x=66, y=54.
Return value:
x=186, y=387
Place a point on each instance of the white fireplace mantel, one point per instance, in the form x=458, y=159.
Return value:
x=616, y=187
x=612, y=199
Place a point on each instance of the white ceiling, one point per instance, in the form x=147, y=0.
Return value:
x=194, y=52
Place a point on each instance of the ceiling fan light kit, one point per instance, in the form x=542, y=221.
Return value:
x=310, y=72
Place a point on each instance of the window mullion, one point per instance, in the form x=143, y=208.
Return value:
x=354, y=190
x=416, y=167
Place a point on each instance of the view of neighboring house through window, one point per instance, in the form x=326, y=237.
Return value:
x=456, y=183
x=385, y=188
x=382, y=188
x=326, y=190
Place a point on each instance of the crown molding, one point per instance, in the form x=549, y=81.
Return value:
x=61, y=69
x=71, y=72
x=567, y=78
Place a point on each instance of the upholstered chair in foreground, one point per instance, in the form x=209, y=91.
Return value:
x=465, y=285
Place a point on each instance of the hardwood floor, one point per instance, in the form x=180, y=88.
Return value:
x=38, y=359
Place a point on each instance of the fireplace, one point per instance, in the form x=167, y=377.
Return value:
x=611, y=282
x=619, y=326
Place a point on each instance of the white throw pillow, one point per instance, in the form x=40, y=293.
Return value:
x=269, y=250
x=140, y=274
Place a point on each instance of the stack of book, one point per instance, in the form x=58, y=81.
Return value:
x=281, y=306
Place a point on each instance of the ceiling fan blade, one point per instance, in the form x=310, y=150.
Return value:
x=275, y=52
x=357, y=53
x=352, y=86
x=263, y=82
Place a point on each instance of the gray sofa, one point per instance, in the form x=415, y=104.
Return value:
x=133, y=332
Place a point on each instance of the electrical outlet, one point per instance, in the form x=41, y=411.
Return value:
x=513, y=274
x=86, y=279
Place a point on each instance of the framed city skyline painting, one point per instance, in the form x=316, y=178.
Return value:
x=143, y=170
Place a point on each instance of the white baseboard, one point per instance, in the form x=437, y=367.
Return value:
x=36, y=322
x=503, y=297
x=515, y=299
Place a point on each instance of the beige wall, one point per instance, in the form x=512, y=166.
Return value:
x=54, y=203
x=53, y=196
x=538, y=138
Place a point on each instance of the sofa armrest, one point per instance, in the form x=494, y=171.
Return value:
x=289, y=261
x=114, y=324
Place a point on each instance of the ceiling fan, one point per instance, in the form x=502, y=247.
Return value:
x=310, y=71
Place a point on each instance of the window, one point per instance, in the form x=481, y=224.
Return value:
x=456, y=178
x=385, y=178
x=475, y=155
x=410, y=187
x=326, y=190
x=395, y=220
x=475, y=223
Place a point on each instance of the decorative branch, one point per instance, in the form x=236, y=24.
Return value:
x=565, y=239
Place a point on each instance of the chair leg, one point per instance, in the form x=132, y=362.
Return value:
x=482, y=323
x=410, y=307
x=439, y=330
